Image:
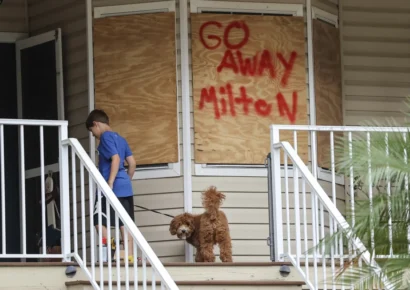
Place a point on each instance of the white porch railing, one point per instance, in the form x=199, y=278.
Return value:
x=96, y=183
x=12, y=137
x=309, y=213
x=78, y=239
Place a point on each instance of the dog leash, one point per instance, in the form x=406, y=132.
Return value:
x=168, y=215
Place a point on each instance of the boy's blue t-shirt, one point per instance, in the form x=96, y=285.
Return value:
x=110, y=144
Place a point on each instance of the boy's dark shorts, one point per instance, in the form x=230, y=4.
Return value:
x=127, y=203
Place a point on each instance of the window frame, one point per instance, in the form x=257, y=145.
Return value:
x=198, y=6
x=149, y=171
x=331, y=19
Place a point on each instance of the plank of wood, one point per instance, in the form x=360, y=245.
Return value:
x=135, y=82
x=254, y=65
x=328, y=86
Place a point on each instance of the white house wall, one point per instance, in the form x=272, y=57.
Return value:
x=13, y=16
x=376, y=73
x=246, y=204
x=376, y=57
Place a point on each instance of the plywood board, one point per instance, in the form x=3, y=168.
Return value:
x=248, y=73
x=135, y=82
x=328, y=85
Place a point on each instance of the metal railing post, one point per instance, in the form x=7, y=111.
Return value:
x=271, y=242
x=65, y=195
x=276, y=198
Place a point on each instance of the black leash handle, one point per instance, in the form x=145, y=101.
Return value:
x=154, y=211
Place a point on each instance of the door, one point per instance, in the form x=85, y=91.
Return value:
x=8, y=110
x=39, y=96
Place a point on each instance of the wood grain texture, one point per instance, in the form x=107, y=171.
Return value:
x=244, y=138
x=135, y=82
x=328, y=85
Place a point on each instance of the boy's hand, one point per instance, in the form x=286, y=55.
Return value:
x=115, y=164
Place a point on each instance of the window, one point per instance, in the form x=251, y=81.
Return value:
x=328, y=85
x=140, y=92
x=238, y=8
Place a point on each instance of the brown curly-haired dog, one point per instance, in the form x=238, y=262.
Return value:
x=205, y=230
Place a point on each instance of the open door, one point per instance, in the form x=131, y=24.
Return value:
x=8, y=110
x=40, y=95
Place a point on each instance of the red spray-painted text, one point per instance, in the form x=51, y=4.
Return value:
x=262, y=63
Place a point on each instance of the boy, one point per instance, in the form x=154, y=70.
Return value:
x=113, y=150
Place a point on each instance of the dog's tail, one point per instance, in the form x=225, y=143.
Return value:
x=212, y=200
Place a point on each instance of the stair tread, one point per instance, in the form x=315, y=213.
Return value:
x=37, y=264
x=213, y=282
x=171, y=264
x=216, y=264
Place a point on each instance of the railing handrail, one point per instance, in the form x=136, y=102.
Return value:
x=341, y=128
x=330, y=206
x=109, y=194
x=33, y=122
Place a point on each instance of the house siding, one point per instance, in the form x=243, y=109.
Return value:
x=376, y=58
x=13, y=16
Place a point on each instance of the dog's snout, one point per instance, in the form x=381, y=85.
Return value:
x=183, y=231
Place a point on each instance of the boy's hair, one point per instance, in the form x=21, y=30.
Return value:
x=96, y=116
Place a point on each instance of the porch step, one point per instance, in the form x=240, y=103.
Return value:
x=192, y=276
x=208, y=272
x=214, y=276
x=203, y=285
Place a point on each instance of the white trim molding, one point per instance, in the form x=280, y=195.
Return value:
x=149, y=172
x=326, y=175
x=311, y=84
x=186, y=115
x=257, y=171
x=325, y=16
x=12, y=37
x=36, y=172
x=141, y=8
x=197, y=6
x=171, y=170
x=90, y=70
x=238, y=170
x=231, y=170
x=38, y=39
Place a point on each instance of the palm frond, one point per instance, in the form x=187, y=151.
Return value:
x=367, y=277
x=376, y=158
x=380, y=166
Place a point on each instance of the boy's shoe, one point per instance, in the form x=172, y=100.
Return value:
x=113, y=248
x=131, y=259
x=113, y=245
